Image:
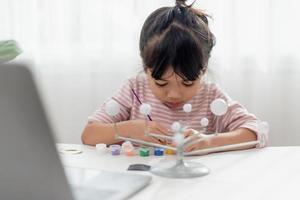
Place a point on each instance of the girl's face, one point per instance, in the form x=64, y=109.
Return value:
x=171, y=89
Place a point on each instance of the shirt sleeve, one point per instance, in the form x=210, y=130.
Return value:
x=124, y=97
x=237, y=116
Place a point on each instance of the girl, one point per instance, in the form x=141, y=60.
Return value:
x=175, y=46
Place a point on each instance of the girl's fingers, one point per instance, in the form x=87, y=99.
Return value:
x=190, y=148
x=153, y=140
x=163, y=130
x=188, y=132
x=158, y=128
x=194, y=147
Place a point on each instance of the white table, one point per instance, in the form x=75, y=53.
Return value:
x=269, y=173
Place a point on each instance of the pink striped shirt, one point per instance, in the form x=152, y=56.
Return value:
x=236, y=117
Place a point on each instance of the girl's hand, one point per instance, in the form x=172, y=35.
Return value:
x=187, y=133
x=199, y=145
x=136, y=129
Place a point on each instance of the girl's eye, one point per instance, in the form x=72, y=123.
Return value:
x=187, y=83
x=161, y=84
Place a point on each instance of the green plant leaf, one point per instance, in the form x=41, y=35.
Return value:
x=9, y=49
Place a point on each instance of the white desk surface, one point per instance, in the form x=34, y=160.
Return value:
x=269, y=173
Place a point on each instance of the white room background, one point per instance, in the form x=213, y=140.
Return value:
x=82, y=50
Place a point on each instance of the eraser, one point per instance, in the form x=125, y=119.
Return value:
x=139, y=167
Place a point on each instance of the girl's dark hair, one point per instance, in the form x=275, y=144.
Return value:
x=176, y=36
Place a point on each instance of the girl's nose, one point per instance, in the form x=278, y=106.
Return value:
x=174, y=95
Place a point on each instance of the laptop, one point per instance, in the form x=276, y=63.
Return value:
x=30, y=167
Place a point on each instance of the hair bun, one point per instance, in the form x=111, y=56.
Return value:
x=181, y=3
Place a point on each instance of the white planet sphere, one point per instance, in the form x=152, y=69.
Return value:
x=178, y=138
x=145, y=109
x=112, y=108
x=187, y=107
x=204, y=122
x=176, y=126
x=218, y=107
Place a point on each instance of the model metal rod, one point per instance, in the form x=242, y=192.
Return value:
x=160, y=136
x=146, y=143
x=195, y=139
x=221, y=148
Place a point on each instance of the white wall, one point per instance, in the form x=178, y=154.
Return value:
x=81, y=50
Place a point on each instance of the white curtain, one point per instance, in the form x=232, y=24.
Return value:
x=81, y=50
